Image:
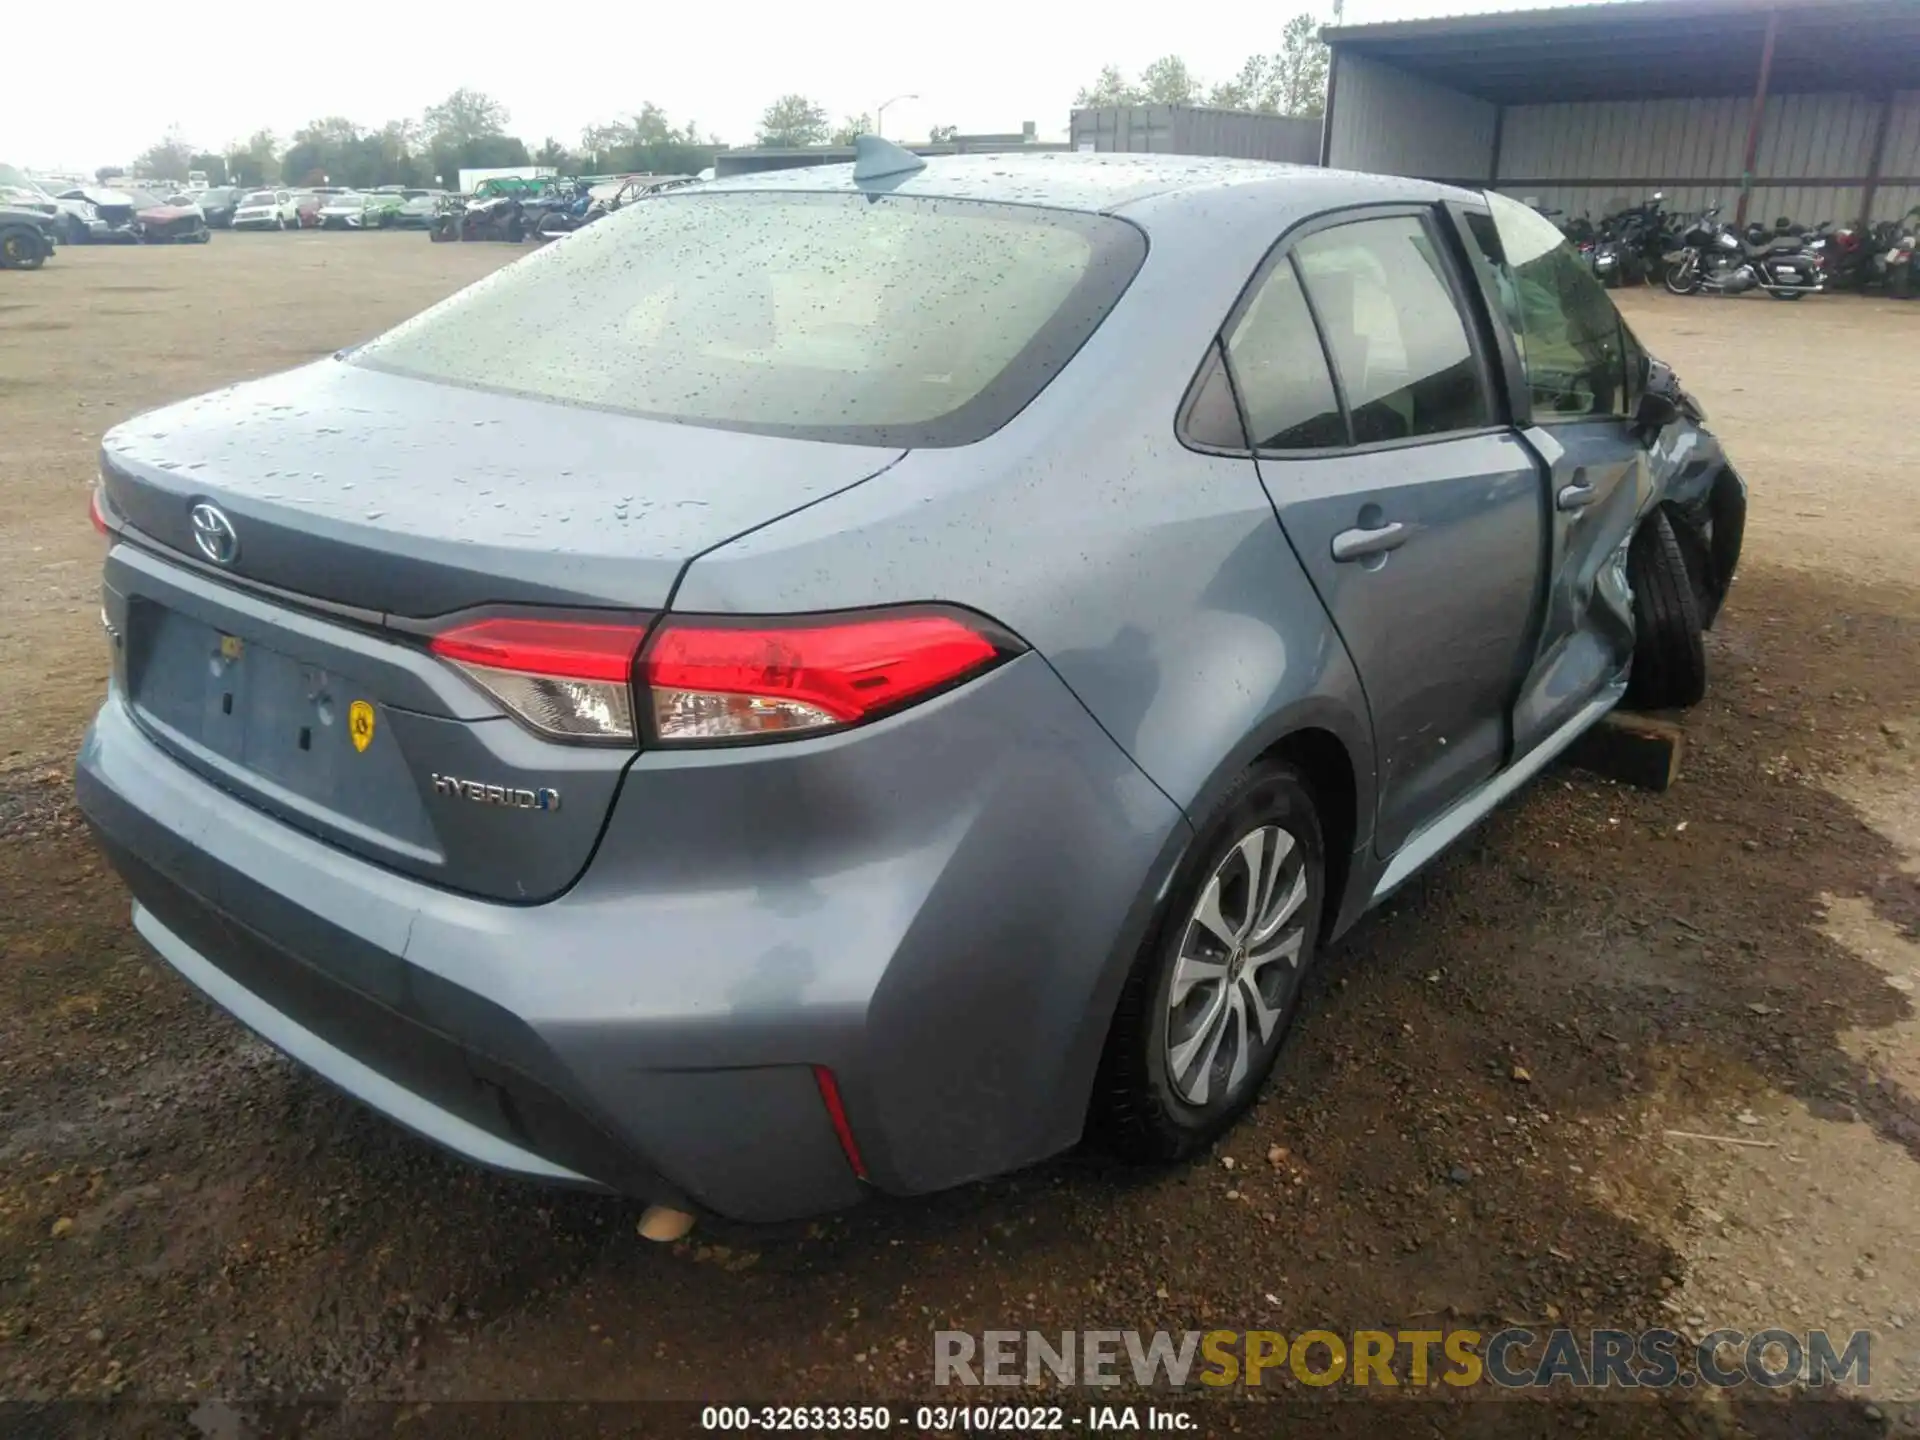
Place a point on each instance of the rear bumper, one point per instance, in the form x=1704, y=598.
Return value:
x=939, y=911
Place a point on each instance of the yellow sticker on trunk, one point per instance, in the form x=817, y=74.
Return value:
x=360, y=724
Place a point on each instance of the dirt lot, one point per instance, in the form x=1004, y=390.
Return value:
x=1475, y=1115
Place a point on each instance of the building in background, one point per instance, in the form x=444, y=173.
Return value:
x=1197, y=130
x=1804, y=108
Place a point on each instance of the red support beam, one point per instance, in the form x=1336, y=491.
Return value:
x=1753, y=122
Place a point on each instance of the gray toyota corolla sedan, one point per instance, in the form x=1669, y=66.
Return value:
x=858, y=677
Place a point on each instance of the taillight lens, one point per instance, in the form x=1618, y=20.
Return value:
x=705, y=679
x=710, y=680
x=96, y=512
x=565, y=679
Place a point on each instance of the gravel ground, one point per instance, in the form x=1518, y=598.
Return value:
x=1472, y=1126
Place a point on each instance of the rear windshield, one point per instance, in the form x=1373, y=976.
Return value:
x=885, y=320
x=259, y=197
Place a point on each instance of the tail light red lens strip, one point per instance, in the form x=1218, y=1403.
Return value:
x=703, y=680
x=96, y=514
x=561, y=648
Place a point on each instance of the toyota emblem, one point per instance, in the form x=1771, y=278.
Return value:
x=213, y=533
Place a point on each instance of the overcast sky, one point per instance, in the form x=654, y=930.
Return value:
x=89, y=84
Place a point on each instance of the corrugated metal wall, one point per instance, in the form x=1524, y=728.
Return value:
x=1195, y=130
x=1900, y=163
x=1388, y=122
x=1592, y=158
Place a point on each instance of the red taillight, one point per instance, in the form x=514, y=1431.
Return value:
x=837, y=1113
x=96, y=513
x=727, y=681
x=544, y=647
x=565, y=679
x=707, y=679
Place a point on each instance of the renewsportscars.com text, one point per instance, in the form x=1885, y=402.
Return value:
x=1514, y=1358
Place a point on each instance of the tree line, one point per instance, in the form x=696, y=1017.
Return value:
x=468, y=131
x=1289, y=81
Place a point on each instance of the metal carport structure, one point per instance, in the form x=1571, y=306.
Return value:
x=1808, y=108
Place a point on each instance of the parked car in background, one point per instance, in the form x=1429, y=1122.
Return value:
x=111, y=215
x=19, y=199
x=419, y=208
x=820, y=832
x=71, y=219
x=267, y=210
x=307, y=205
x=337, y=210
x=360, y=211
x=174, y=220
x=219, y=204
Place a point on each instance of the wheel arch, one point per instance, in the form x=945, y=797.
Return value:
x=1323, y=762
x=1331, y=746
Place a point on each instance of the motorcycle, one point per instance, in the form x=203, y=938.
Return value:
x=1606, y=255
x=1646, y=234
x=1846, y=255
x=1902, y=259
x=1715, y=260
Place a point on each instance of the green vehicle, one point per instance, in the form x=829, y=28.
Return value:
x=361, y=210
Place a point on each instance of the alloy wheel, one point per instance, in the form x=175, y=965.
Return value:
x=1238, y=964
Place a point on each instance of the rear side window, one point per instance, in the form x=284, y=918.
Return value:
x=1399, y=344
x=1282, y=371
x=1571, y=342
x=885, y=320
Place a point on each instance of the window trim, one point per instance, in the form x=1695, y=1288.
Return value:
x=1215, y=359
x=1517, y=393
x=1281, y=251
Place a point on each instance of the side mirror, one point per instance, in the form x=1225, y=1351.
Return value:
x=1660, y=403
x=1655, y=412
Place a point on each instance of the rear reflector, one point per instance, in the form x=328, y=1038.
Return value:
x=711, y=681
x=565, y=679
x=837, y=1113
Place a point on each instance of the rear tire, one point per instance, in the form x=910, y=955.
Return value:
x=1669, y=658
x=1176, y=1075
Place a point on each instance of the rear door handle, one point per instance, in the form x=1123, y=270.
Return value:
x=1359, y=544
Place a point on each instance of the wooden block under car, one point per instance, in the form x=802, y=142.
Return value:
x=1633, y=749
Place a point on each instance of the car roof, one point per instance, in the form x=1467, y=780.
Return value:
x=1110, y=183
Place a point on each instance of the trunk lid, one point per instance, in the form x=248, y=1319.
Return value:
x=408, y=498
x=380, y=501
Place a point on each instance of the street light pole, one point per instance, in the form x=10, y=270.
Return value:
x=880, y=115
